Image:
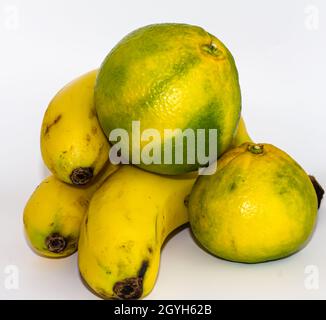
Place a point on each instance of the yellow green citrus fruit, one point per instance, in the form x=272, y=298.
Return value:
x=169, y=76
x=259, y=205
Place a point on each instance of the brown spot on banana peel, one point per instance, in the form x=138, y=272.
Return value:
x=94, y=131
x=56, y=243
x=186, y=200
x=81, y=176
x=49, y=126
x=83, y=202
x=131, y=288
x=92, y=113
x=318, y=188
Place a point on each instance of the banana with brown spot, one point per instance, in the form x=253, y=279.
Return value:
x=73, y=146
x=128, y=219
x=54, y=212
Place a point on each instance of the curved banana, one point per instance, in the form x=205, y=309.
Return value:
x=122, y=234
x=73, y=146
x=54, y=212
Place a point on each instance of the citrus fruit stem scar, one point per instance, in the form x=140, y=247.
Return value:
x=211, y=49
x=256, y=148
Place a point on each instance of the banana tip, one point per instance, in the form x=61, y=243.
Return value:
x=81, y=176
x=130, y=288
x=55, y=243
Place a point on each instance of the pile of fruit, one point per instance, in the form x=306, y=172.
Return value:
x=256, y=205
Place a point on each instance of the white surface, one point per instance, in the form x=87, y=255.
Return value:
x=281, y=60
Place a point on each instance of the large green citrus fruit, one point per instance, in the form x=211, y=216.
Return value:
x=169, y=76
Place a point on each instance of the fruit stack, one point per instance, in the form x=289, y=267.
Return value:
x=123, y=178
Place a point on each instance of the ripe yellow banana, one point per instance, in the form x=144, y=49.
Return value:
x=73, y=146
x=54, y=212
x=121, y=236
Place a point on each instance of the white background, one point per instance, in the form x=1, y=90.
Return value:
x=280, y=50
